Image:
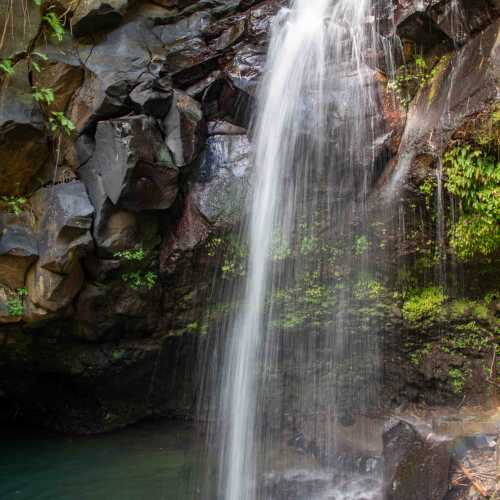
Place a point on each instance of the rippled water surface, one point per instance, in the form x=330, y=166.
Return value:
x=153, y=461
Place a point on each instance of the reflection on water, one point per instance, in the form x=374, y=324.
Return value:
x=153, y=461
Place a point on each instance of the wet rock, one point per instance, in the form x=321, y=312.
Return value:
x=131, y=166
x=416, y=465
x=223, y=181
x=18, y=250
x=53, y=291
x=152, y=96
x=91, y=16
x=418, y=27
x=215, y=200
x=229, y=36
x=221, y=127
x=246, y=67
x=457, y=21
x=23, y=143
x=223, y=100
x=463, y=86
x=184, y=128
x=20, y=25
x=188, y=27
x=65, y=219
x=190, y=230
x=189, y=61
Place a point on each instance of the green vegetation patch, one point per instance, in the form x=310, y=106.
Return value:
x=424, y=305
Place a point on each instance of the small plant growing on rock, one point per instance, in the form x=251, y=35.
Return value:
x=55, y=24
x=138, y=280
x=15, y=305
x=6, y=66
x=136, y=255
x=424, y=305
x=43, y=95
x=474, y=178
x=361, y=245
x=412, y=77
x=457, y=380
x=58, y=123
x=15, y=203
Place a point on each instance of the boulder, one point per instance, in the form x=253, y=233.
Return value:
x=184, y=127
x=23, y=142
x=63, y=79
x=51, y=291
x=190, y=60
x=91, y=16
x=65, y=219
x=18, y=250
x=54, y=291
x=188, y=27
x=113, y=67
x=152, y=96
x=416, y=464
x=20, y=25
x=131, y=166
x=223, y=100
x=189, y=231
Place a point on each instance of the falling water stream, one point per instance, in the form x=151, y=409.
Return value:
x=307, y=256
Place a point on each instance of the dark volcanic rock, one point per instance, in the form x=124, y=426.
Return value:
x=23, y=143
x=113, y=67
x=91, y=16
x=131, y=166
x=223, y=180
x=184, y=129
x=152, y=96
x=65, y=215
x=18, y=250
x=415, y=466
x=216, y=198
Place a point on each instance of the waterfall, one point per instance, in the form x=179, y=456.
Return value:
x=291, y=366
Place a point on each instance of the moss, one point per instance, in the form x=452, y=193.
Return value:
x=424, y=305
x=437, y=77
x=457, y=380
x=463, y=308
x=368, y=290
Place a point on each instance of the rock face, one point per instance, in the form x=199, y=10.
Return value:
x=415, y=466
x=110, y=238
x=23, y=142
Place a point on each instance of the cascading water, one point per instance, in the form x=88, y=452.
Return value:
x=294, y=368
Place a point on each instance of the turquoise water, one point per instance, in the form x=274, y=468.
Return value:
x=152, y=461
